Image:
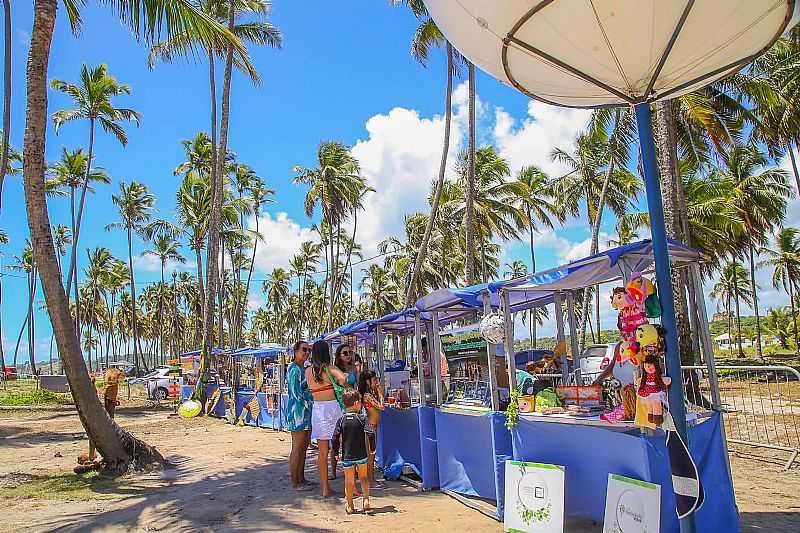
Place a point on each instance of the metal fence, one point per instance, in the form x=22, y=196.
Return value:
x=761, y=404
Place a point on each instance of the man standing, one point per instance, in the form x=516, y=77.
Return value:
x=298, y=415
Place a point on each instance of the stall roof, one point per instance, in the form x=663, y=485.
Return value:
x=403, y=321
x=262, y=352
x=215, y=351
x=603, y=267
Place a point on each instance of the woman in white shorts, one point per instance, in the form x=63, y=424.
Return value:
x=326, y=410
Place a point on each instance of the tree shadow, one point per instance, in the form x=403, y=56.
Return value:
x=770, y=521
x=381, y=510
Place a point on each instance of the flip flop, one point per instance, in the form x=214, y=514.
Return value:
x=303, y=488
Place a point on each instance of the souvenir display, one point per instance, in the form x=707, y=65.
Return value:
x=465, y=351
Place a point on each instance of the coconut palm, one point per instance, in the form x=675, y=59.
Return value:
x=148, y=19
x=92, y=99
x=11, y=159
x=3, y=240
x=758, y=198
x=380, y=291
x=4, y=158
x=779, y=324
x=25, y=263
x=277, y=290
x=733, y=286
x=71, y=172
x=426, y=36
x=785, y=262
x=166, y=248
x=337, y=186
x=135, y=205
x=100, y=264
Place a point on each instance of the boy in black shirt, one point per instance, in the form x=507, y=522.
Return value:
x=351, y=429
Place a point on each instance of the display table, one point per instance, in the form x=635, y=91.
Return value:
x=188, y=390
x=272, y=418
x=590, y=452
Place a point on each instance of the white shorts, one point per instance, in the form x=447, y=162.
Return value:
x=324, y=416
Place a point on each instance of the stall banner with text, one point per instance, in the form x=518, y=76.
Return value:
x=632, y=506
x=534, y=497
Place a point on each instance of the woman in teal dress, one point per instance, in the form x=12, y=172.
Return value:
x=298, y=414
x=345, y=361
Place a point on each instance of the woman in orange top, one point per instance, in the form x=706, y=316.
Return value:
x=326, y=410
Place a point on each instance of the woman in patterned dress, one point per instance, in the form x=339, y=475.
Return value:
x=298, y=415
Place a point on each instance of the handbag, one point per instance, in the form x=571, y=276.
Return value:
x=338, y=390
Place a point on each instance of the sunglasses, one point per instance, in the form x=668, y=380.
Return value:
x=305, y=349
x=345, y=352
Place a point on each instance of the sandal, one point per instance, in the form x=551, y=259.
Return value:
x=365, y=505
x=348, y=509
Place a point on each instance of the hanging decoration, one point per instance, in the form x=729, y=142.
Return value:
x=493, y=328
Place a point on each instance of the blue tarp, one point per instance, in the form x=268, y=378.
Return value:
x=215, y=351
x=267, y=418
x=399, y=442
x=471, y=297
x=474, y=466
x=590, y=453
x=265, y=352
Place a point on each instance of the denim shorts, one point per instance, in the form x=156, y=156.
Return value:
x=351, y=464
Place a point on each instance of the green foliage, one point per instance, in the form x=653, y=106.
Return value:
x=512, y=411
x=34, y=397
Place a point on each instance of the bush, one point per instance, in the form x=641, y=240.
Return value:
x=35, y=397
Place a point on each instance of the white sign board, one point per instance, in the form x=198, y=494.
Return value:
x=632, y=506
x=534, y=497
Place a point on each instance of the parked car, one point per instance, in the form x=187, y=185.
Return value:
x=595, y=358
x=523, y=357
x=11, y=373
x=158, y=382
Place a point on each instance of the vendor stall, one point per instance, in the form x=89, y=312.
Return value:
x=259, y=390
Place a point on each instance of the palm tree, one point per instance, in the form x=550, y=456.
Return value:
x=597, y=181
x=308, y=262
x=515, y=269
x=25, y=263
x=6, y=149
x=149, y=20
x=778, y=323
x=733, y=285
x=100, y=264
x=758, y=197
x=92, y=99
x=626, y=234
x=336, y=185
x=426, y=36
x=380, y=291
x=194, y=207
x=3, y=240
x=135, y=205
x=785, y=261
x=71, y=172
x=277, y=290
x=166, y=248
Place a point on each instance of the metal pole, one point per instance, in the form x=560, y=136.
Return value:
x=420, y=373
x=281, y=377
x=436, y=360
x=663, y=278
x=491, y=353
x=560, y=340
x=379, y=351
x=573, y=335
x=509, y=343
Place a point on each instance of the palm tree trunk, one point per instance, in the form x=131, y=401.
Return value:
x=738, y=315
x=6, y=100
x=221, y=295
x=751, y=251
x=160, y=312
x=2, y=353
x=794, y=313
x=349, y=257
x=532, y=313
x=437, y=194
x=77, y=229
x=794, y=168
x=241, y=315
x=52, y=337
x=134, y=320
x=32, y=325
x=24, y=322
x=117, y=447
x=72, y=273
x=217, y=188
x=470, y=189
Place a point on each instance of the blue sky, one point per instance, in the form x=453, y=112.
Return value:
x=344, y=74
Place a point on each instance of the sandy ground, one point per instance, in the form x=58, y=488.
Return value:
x=235, y=479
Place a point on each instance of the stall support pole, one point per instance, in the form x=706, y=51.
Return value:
x=509, y=343
x=379, y=352
x=663, y=277
x=435, y=355
x=420, y=372
x=561, y=343
x=573, y=335
x=491, y=353
x=281, y=379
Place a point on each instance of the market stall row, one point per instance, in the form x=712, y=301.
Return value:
x=460, y=447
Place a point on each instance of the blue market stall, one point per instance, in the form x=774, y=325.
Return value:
x=272, y=399
x=426, y=436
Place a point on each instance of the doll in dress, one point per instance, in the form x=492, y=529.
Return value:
x=653, y=389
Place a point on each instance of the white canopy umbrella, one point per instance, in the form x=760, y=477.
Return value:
x=583, y=53
x=594, y=53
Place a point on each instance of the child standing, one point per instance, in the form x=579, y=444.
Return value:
x=352, y=430
x=372, y=397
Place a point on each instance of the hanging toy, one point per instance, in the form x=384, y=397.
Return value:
x=493, y=328
x=631, y=310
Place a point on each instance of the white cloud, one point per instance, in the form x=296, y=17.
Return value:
x=282, y=237
x=531, y=142
x=151, y=263
x=400, y=159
